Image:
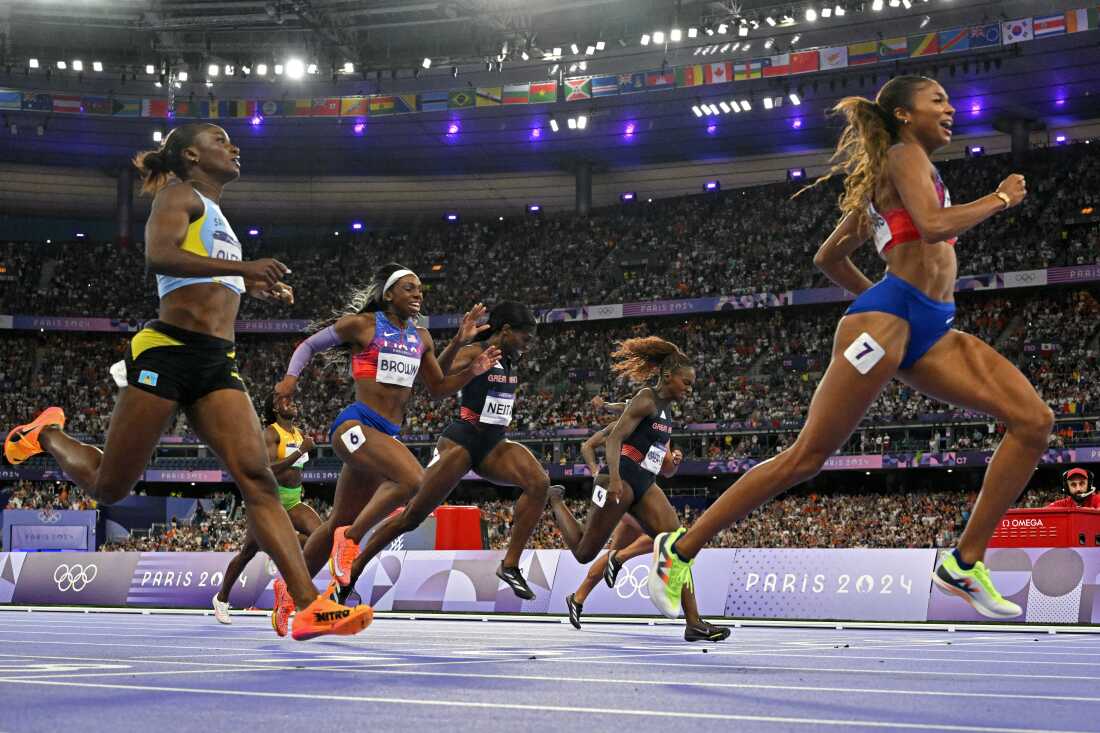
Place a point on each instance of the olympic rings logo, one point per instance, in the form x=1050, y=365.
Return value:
x=633, y=582
x=47, y=516
x=74, y=577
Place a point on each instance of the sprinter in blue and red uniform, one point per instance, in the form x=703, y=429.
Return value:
x=477, y=440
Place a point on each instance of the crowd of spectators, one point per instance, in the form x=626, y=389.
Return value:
x=59, y=495
x=747, y=240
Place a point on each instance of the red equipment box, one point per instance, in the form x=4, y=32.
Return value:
x=1048, y=528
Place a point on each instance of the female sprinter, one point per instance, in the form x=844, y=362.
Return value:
x=287, y=452
x=639, y=441
x=898, y=327
x=389, y=353
x=476, y=440
x=186, y=359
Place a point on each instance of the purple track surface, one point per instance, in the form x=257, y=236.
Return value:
x=120, y=672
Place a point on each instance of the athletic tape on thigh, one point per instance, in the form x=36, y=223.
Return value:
x=864, y=353
x=353, y=438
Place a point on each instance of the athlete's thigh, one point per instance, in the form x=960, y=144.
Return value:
x=626, y=531
x=655, y=512
x=353, y=490
x=304, y=518
x=602, y=520
x=137, y=422
x=963, y=370
x=373, y=452
x=851, y=383
x=512, y=464
x=226, y=421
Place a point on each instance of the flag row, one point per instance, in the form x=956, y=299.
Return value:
x=574, y=89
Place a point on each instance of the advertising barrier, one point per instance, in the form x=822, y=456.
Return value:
x=1053, y=585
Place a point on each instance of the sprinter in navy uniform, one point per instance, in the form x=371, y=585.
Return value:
x=477, y=440
x=637, y=450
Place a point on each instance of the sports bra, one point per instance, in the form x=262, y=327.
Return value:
x=393, y=356
x=896, y=226
x=208, y=236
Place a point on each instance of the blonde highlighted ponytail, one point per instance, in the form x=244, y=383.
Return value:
x=640, y=358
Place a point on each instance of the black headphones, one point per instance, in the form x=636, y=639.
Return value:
x=1089, y=477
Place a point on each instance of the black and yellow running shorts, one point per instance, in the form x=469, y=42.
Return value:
x=181, y=365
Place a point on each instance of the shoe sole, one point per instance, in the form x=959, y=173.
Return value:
x=350, y=626
x=987, y=612
x=656, y=587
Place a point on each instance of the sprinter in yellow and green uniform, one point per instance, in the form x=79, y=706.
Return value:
x=287, y=452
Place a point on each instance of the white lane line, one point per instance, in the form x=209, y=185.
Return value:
x=528, y=708
x=845, y=670
x=602, y=681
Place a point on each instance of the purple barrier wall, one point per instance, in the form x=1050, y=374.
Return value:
x=1058, y=585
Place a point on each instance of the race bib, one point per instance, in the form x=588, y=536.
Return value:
x=227, y=250
x=882, y=233
x=498, y=408
x=655, y=458
x=290, y=448
x=599, y=495
x=397, y=369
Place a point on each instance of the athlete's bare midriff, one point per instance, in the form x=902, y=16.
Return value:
x=931, y=268
x=208, y=308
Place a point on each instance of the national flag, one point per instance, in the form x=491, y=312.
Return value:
x=67, y=103
x=324, y=107
x=544, y=91
x=238, y=108
x=154, y=108
x=429, y=102
x=36, y=101
x=578, y=89
x=718, y=73
x=834, y=57
x=354, y=106
x=803, y=62
x=1082, y=20
x=488, y=96
x=277, y=107
x=1049, y=25
x=984, y=36
x=380, y=105
x=403, y=104
x=126, y=107
x=1016, y=31
x=893, y=48
x=748, y=70
x=862, y=53
x=687, y=76
x=631, y=83
x=926, y=45
x=605, y=86
x=778, y=65
x=11, y=99
x=516, y=94
x=956, y=39
x=658, y=80
x=302, y=107
x=96, y=105
x=461, y=99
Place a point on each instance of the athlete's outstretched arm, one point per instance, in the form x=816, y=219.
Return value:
x=467, y=330
x=349, y=329
x=910, y=171
x=271, y=440
x=834, y=256
x=433, y=378
x=588, y=448
x=174, y=208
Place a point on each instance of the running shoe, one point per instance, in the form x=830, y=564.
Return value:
x=557, y=491
x=611, y=572
x=575, y=610
x=668, y=574
x=974, y=586
x=343, y=554
x=325, y=616
x=221, y=612
x=283, y=609
x=22, y=441
x=514, y=578
x=706, y=632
